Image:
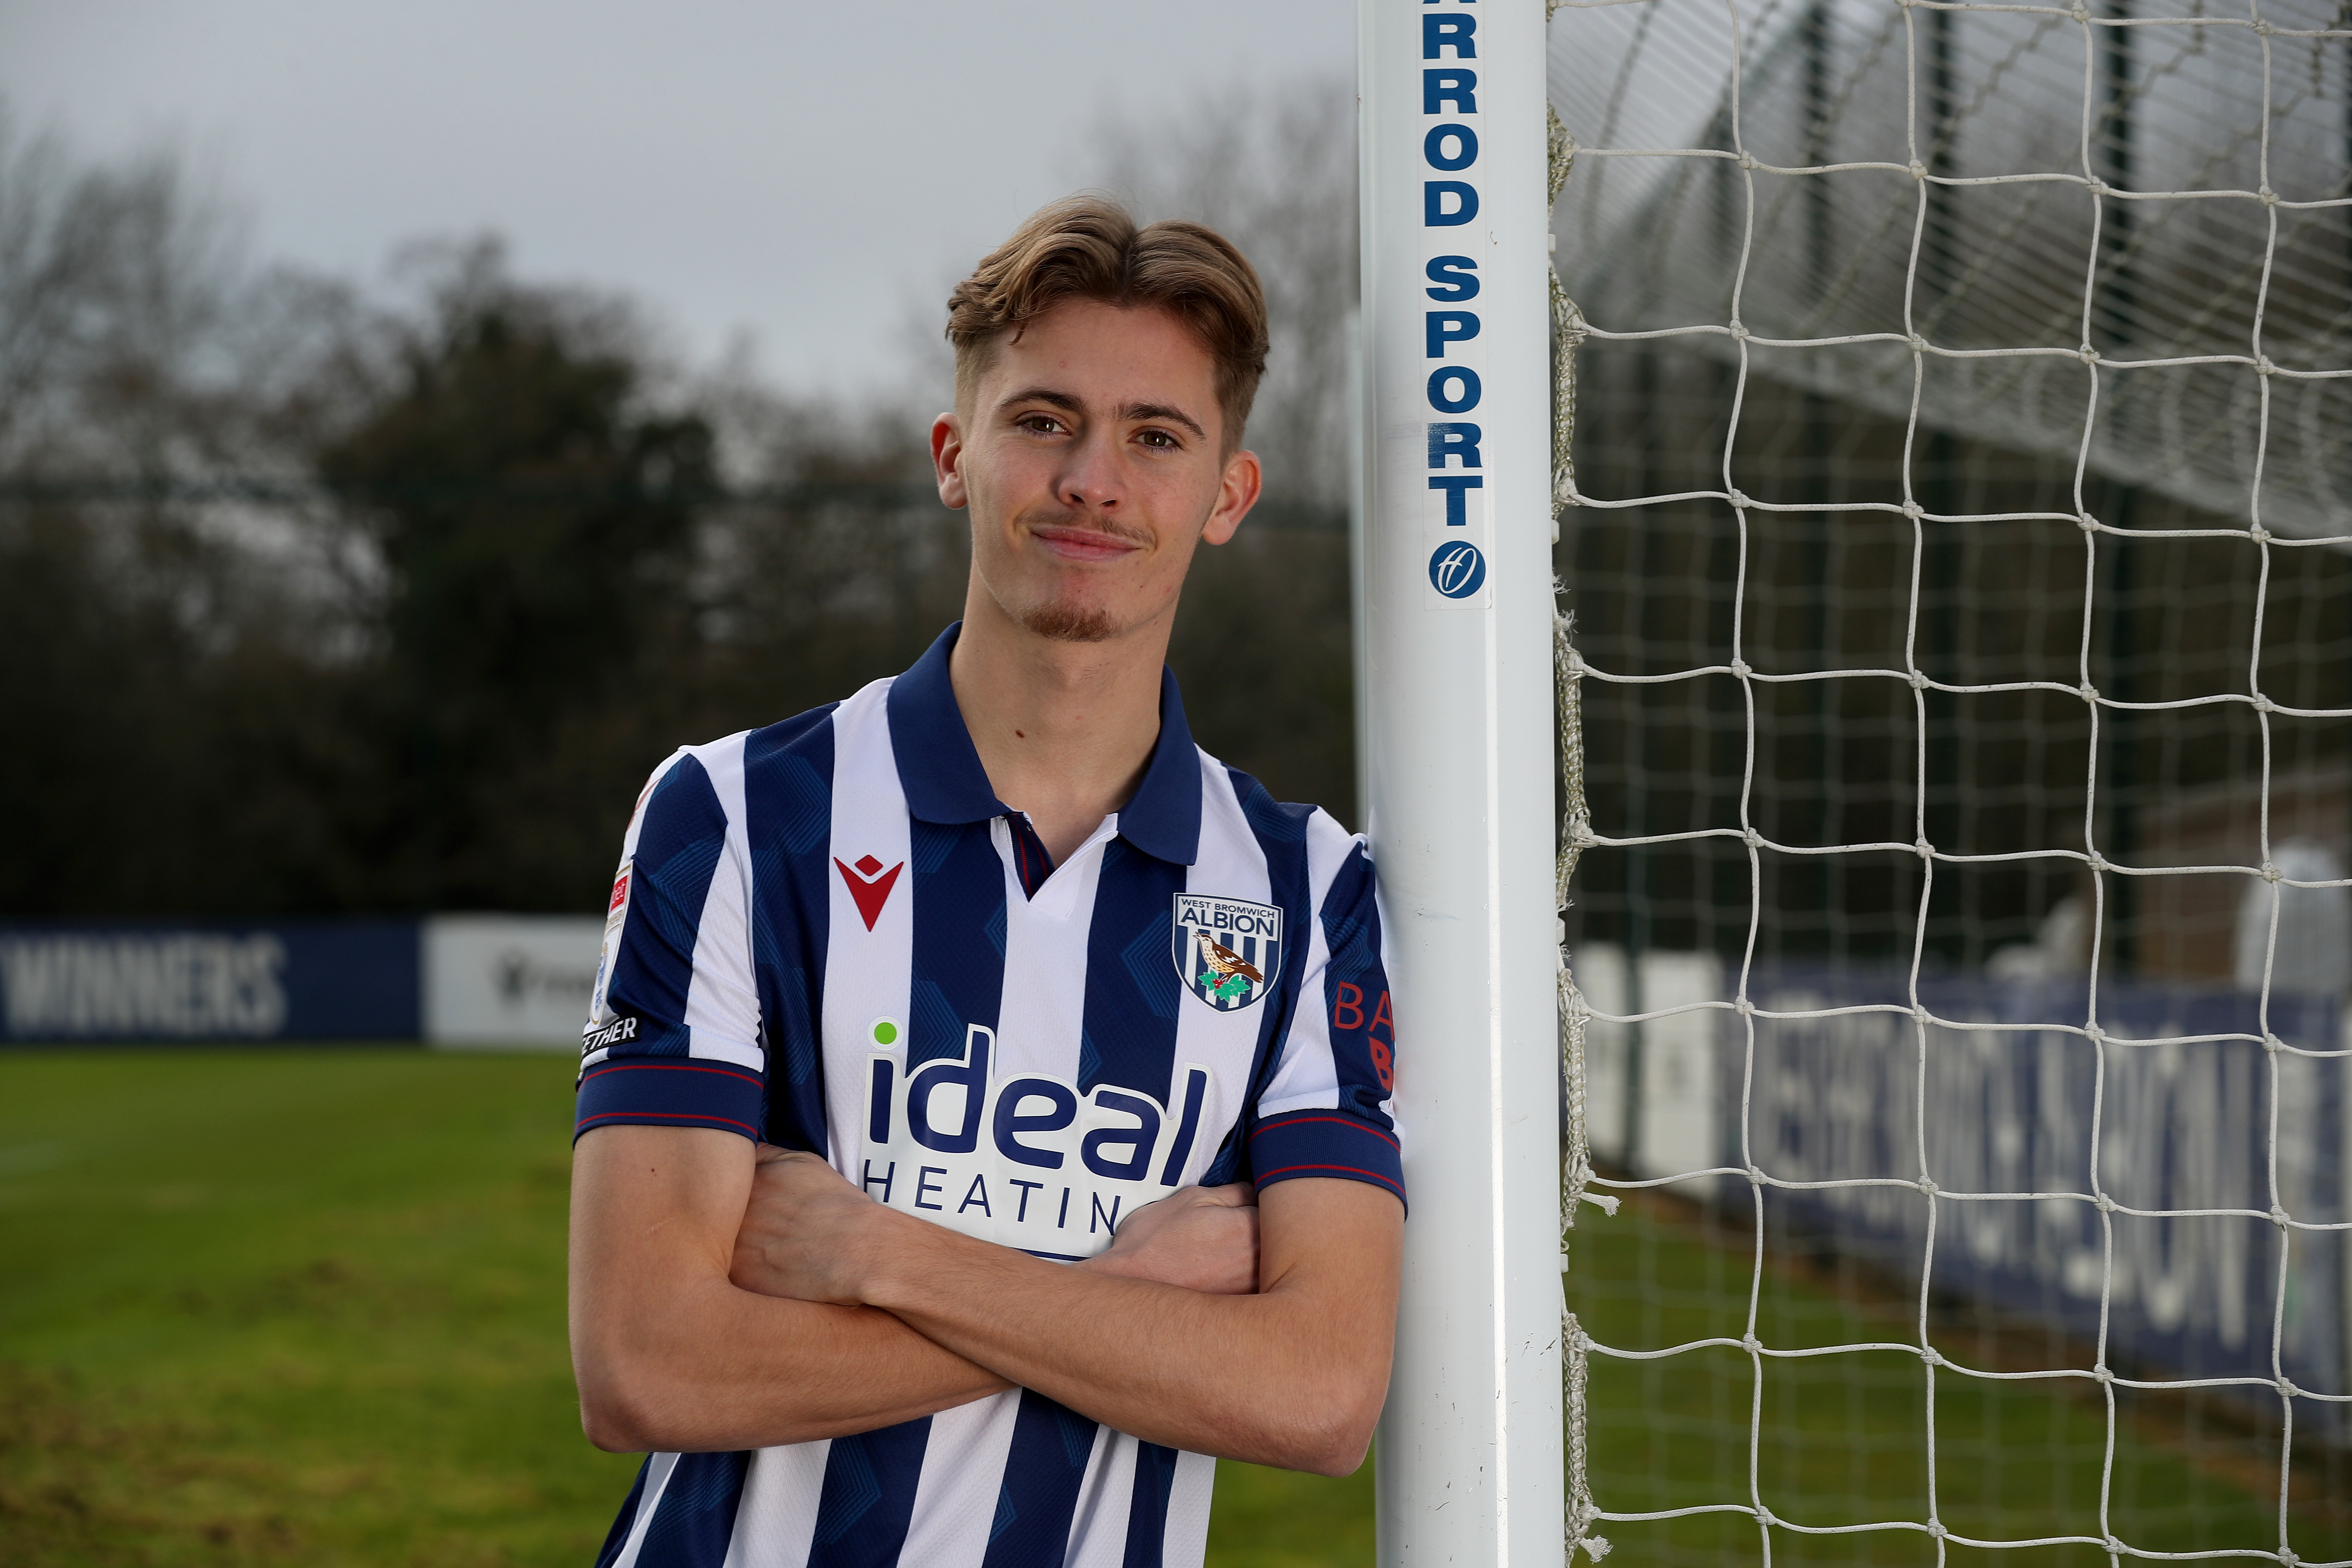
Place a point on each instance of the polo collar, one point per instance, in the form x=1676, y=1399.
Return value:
x=944, y=783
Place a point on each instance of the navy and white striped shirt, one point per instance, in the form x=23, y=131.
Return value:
x=831, y=935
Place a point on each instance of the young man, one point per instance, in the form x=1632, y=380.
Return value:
x=912, y=1005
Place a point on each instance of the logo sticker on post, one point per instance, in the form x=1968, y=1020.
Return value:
x=1456, y=569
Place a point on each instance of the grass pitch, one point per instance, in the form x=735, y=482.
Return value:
x=279, y=1307
x=307, y=1306
x=1842, y=1439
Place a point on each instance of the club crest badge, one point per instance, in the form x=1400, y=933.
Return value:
x=1228, y=952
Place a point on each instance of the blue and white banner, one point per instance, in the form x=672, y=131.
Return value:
x=346, y=980
x=2167, y=1117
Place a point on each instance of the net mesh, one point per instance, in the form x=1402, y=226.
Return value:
x=1953, y=441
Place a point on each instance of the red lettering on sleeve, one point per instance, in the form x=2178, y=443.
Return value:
x=1347, y=1008
x=1383, y=1019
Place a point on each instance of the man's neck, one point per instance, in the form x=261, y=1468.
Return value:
x=1063, y=729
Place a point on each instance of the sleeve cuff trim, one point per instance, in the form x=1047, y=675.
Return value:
x=648, y=1118
x=1324, y=1142
x=1295, y=1119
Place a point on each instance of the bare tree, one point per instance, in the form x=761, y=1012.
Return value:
x=135, y=338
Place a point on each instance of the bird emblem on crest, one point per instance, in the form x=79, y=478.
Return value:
x=1225, y=963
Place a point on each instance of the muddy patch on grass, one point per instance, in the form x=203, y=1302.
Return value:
x=89, y=1481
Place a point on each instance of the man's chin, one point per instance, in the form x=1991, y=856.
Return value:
x=1070, y=623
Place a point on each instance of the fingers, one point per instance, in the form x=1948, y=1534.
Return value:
x=767, y=1155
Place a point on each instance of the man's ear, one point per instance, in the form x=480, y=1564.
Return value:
x=1236, y=493
x=947, y=460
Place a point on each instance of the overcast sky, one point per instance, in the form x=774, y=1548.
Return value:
x=808, y=171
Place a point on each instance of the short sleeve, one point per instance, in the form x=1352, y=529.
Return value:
x=672, y=1032
x=1329, y=1108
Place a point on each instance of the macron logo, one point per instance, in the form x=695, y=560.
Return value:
x=870, y=884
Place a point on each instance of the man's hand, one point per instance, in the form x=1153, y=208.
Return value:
x=807, y=1234
x=1202, y=1238
x=803, y=1230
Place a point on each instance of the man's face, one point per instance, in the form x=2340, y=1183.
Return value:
x=1091, y=458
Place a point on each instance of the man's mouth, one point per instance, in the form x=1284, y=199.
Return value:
x=1083, y=543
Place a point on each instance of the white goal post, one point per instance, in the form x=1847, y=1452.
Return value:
x=1455, y=629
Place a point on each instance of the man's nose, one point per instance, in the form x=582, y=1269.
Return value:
x=1092, y=481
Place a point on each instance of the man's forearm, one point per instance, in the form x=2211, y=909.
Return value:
x=1169, y=1366
x=726, y=1368
x=735, y=1370
x=729, y=1369
x=671, y=1355
x=1293, y=1376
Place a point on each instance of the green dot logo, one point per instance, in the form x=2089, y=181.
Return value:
x=885, y=1031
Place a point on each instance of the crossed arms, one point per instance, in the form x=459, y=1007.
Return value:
x=726, y=1296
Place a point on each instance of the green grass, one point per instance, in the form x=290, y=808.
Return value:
x=1843, y=1438
x=279, y=1307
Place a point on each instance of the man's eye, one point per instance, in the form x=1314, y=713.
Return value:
x=1159, y=438
x=1044, y=423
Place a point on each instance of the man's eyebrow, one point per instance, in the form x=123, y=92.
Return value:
x=1069, y=402
x=1162, y=411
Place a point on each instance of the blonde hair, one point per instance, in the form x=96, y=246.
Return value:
x=1089, y=247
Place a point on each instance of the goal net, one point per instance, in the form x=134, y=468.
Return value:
x=1953, y=452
